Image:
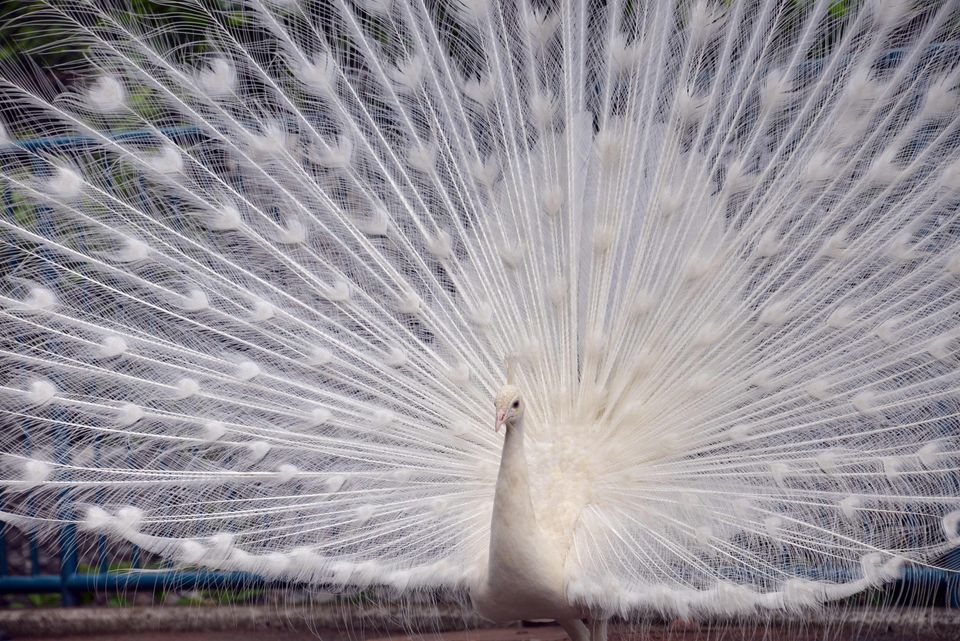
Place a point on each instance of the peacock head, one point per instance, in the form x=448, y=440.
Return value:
x=509, y=406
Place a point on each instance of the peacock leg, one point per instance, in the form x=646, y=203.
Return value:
x=575, y=629
x=598, y=628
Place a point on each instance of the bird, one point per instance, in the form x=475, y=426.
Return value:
x=268, y=269
x=525, y=576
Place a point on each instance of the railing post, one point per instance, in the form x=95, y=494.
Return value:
x=8, y=209
x=3, y=549
x=68, y=563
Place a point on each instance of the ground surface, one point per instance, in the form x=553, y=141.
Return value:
x=655, y=633
x=268, y=624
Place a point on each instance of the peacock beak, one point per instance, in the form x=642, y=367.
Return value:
x=501, y=419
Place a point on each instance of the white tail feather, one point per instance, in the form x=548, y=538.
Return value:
x=716, y=242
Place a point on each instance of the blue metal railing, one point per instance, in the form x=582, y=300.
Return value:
x=71, y=582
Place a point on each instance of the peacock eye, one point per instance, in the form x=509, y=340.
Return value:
x=515, y=405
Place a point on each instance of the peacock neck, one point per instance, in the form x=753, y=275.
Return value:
x=512, y=497
x=513, y=513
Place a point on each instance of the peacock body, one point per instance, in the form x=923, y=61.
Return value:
x=258, y=320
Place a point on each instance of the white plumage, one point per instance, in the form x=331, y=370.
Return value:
x=257, y=319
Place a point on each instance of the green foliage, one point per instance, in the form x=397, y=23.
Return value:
x=840, y=8
x=232, y=597
x=24, y=212
x=191, y=600
x=44, y=600
x=221, y=597
x=21, y=36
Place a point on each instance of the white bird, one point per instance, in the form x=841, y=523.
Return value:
x=525, y=576
x=263, y=267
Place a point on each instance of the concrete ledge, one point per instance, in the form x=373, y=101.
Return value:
x=370, y=622
x=375, y=621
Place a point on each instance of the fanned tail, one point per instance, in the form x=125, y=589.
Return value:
x=260, y=288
